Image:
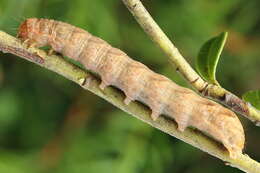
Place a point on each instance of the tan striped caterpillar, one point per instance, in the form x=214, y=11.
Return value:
x=137, y=81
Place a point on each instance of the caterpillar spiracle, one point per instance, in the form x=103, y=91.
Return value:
x=137, y=81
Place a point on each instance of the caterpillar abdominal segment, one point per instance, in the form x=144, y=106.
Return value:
x=137, y=81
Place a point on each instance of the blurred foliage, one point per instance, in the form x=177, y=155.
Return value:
x=48, y=124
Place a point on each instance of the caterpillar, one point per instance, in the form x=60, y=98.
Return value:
x=137, y=81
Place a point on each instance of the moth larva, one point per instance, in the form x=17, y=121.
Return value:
x=137, y=81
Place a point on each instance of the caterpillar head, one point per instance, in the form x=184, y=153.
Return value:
x=33, y=31
x=26, y=29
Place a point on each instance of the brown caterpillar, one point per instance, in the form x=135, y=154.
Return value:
x=137, y=81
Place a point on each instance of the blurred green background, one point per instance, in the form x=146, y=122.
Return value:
x=49, y=124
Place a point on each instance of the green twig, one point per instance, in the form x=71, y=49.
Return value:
x=215, y=92
x=9, y=44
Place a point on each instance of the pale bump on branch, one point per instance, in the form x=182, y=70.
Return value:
x=55, y=63
x=213, y=91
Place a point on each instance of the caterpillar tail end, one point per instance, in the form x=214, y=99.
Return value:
x=233, y=155
x=234, y=151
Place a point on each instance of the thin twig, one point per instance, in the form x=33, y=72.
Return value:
x=213, y=91
x=9, y=44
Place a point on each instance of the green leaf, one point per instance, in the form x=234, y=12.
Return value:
x=253, y=97
x=208, y=57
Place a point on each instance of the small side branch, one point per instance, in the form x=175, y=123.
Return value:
x=9, y=44
x=213, y=91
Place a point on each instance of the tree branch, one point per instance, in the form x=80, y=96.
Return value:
x=9, y=44
x=213, y=91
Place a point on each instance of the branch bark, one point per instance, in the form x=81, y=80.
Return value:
x=9, y=44
x=209, y=90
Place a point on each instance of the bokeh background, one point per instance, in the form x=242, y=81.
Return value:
x=49, y=124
